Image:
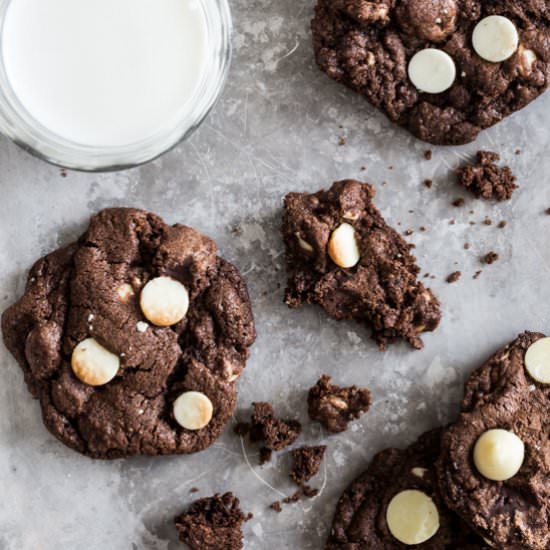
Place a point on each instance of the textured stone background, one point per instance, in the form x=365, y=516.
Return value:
x=276, y=129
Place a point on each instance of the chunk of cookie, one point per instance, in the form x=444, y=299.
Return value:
x=342, y=255
x=133, y=337
x=494, y=469
x=213, y=523
x=396, y=504
x=306, y=462
x=336, y=407
x=276, y=434
x=486, y=180
x=442, y=69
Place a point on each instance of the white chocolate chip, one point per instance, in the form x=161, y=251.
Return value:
x=495, y=38
x=141, y=326
x=342, y=246
x=419, y=472
x=527, y=59
x=125, y=292
x=432, y=70
x=164, y=301
x=537, y=360
x=93, y=364
x=498, y=454
x=303, y=244
x=412, y=517
x=193, y=410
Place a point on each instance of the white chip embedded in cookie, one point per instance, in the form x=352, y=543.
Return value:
x=164, y=301
x=495, y=38
x=342, y=246
x=93, y=364
x=412, y=517
x=537, y=360
x=432, y=71
x=193, y=410
x=499, y=454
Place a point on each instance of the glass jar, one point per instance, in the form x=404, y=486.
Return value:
x=23, y=129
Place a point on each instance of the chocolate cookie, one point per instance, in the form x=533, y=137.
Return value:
x=396, y=504
x=133, y=337
x=342, y=255
x=443, y=69
x=213, y=523
x=494, y=469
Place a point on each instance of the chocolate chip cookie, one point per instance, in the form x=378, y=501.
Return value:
x=443, y=69
x=396, y=503
x=494, y=469
x=133, y=337
x=342, y=255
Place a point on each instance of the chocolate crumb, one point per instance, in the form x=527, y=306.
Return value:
x=490, y=258
x=194, y=490
x=422, y=228
x=276, y=506
x=458, y=202
x=467, y=246
x=477, y=274
x=309, y=492
x=502, y=224
x=428, y=154
x=306, y=462
x=454, y=277
x=428, y=183
x=518, y=151
x=488, y=221
x=294, y=497
x=341, y=141
x=547, y=211
x=486, y=180
x=274, y=432
x=408, y=232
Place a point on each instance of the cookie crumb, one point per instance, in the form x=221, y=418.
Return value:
x=408, y=232
x=275, y=433
x=490, y=258
x=458, y=202
x=428, y=154
x=276, y=506
x=467, y=246
x=502, y=224
x=341, y=141
x=335, y=407
x=454, y=277
x=487, y=221
x=428, y=183
x=547, y=211
x=486, y=180
x=306, y=462
x=477, y=274
x=194, y=490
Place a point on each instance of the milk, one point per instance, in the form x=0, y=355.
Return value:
x=105, y=72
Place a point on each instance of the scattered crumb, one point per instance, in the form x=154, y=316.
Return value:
x=363, y=168
x=276, y=506
x=490, y=258
x=452, y=222
x=390, y=167
x=422, y=228
x=472, y=223
x=458, y=202
x=63, y=173
x=428, y=154
x=309, y=492
x=467, y=246
x=294, y=497
x=454, y=277
x=408, y=232
x=194, y=490
x=477, y=274
x=486, y=180
x=428, y=183
x=426, y=275
x=502, y=224
x=518, y=151
x=341, y=141
x=487, y=221
x=547, y=211
x=306, y=462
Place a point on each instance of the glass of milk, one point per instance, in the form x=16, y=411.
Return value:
x=109, y=84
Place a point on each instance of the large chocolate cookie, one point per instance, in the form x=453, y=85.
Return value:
x=480, y=74
x=362, y=521
x=342, y=255
x=133, y=337
x=509, y=503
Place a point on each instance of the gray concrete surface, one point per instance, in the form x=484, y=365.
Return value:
x=276, y=129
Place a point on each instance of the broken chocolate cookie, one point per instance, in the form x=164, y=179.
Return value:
x=306, y=462
x=276, y=434
x=396, y=504
x=336, y=407
x=486, y=180
x=213, y=523
x=342, y=255
x=133, y=337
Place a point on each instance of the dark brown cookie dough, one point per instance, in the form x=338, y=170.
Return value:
x=91, y=289
x=486, y=180
x=360, y=519
x=381, y=290
x=367, y=45
x=306, y=462
x=502, y=395
x=336, y=407
x=213, y=523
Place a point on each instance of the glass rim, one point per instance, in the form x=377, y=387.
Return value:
x=22, y=129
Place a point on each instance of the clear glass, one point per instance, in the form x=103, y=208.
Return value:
x=18, y=125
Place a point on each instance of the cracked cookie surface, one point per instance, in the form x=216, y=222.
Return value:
x=360, y=521
x=368, y=44
x=501, y=395
x=343, y=256
x=91, y=289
